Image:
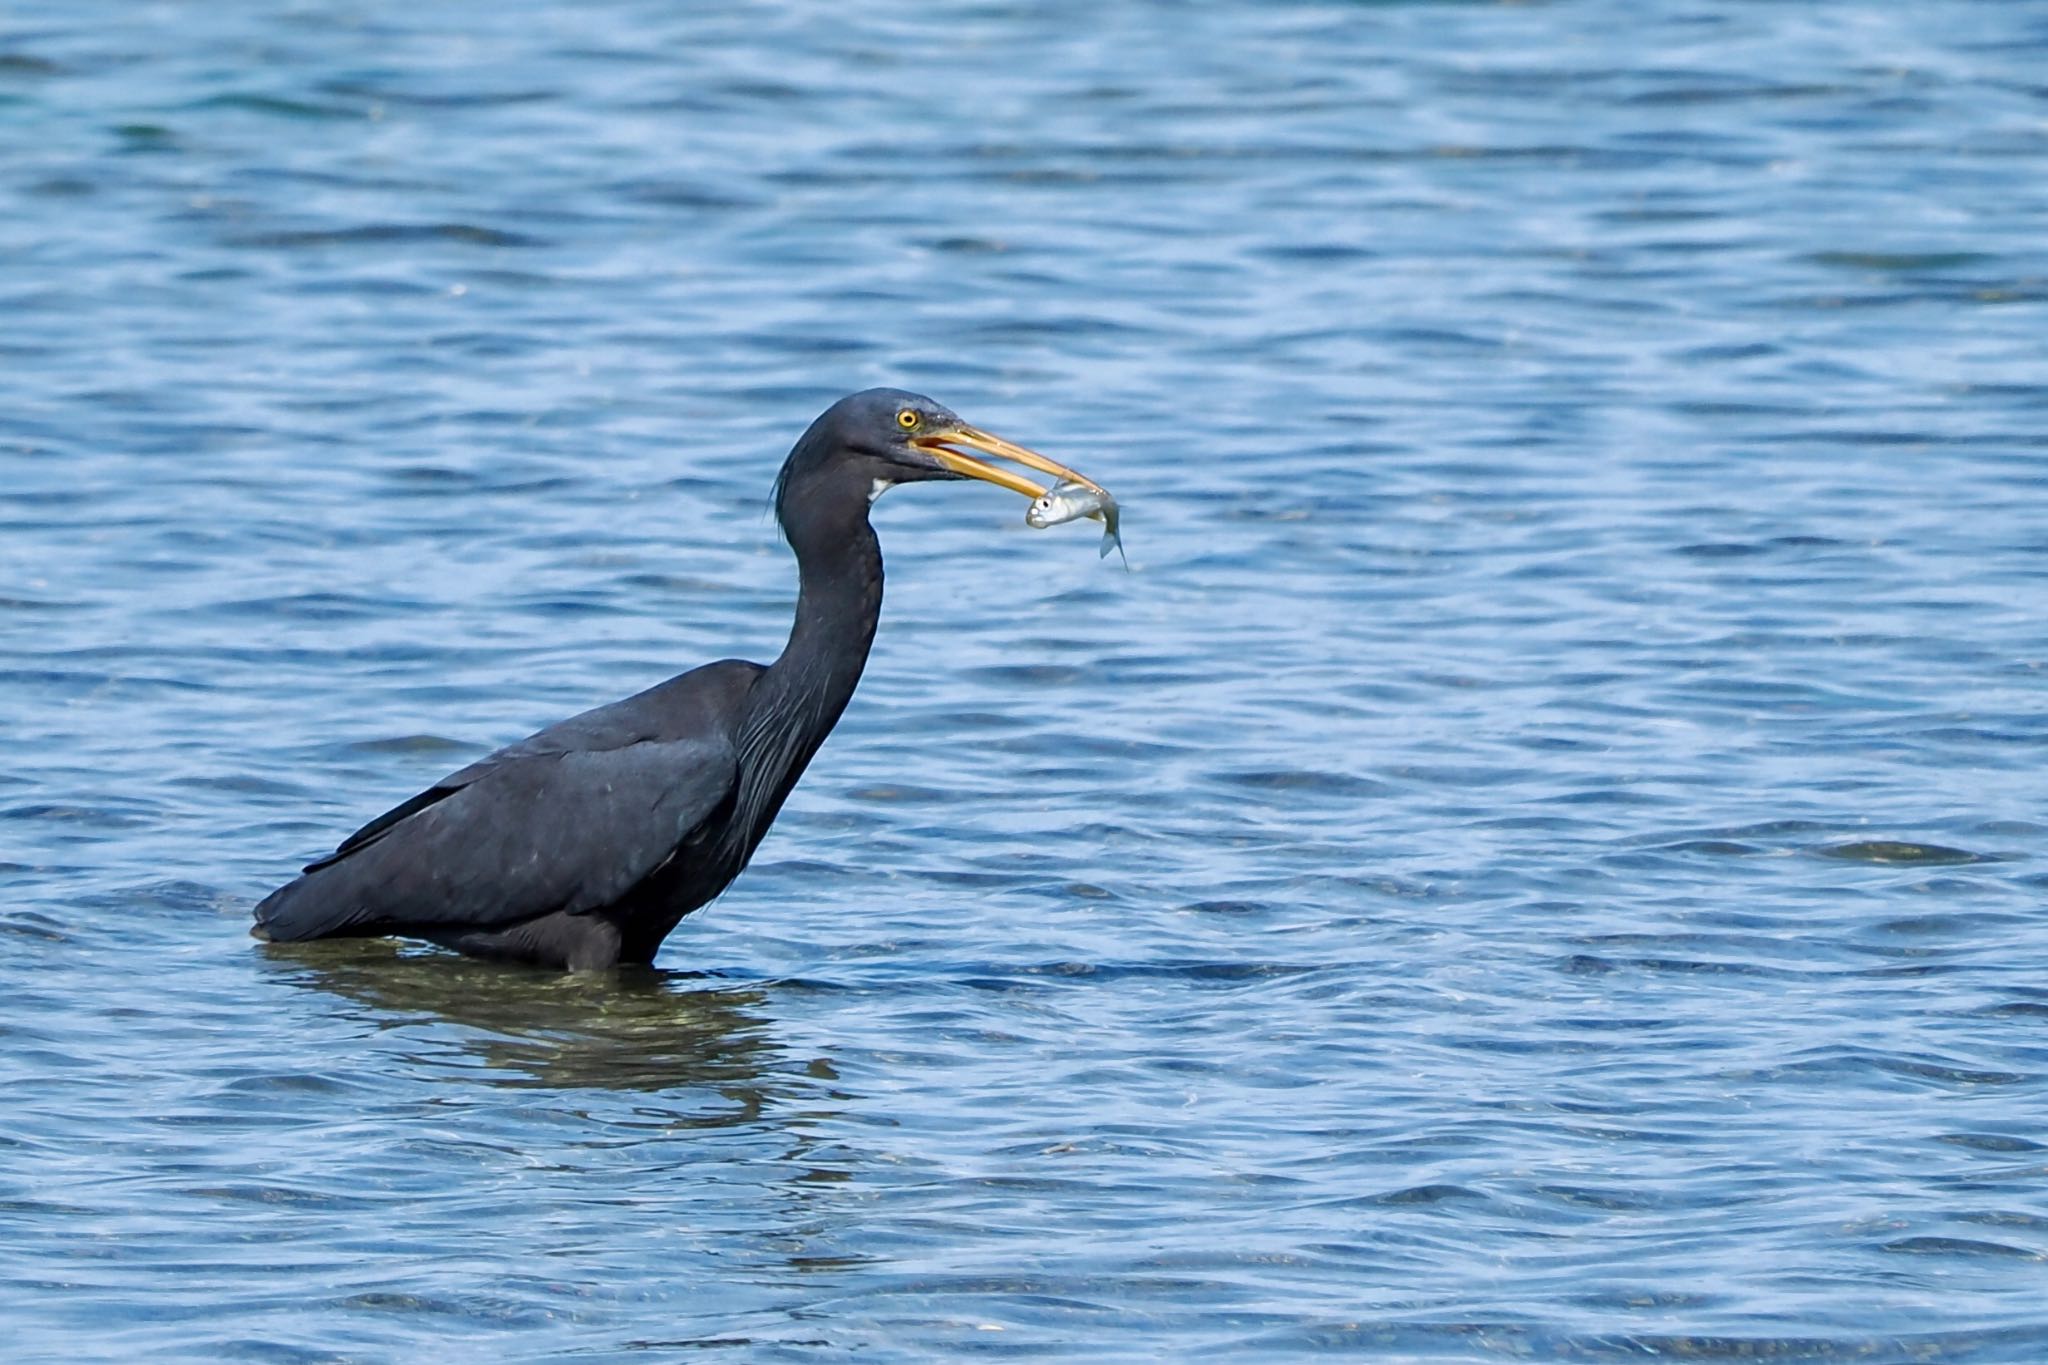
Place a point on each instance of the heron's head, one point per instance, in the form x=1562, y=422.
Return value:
x=882, y=437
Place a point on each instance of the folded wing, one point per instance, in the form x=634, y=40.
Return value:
x=541, y=827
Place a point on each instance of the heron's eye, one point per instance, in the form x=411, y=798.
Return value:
x=908, y=420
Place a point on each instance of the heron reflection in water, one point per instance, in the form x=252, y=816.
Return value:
x=643, y=1028
x=584, y=845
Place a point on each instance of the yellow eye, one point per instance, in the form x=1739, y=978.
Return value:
x=908, y=420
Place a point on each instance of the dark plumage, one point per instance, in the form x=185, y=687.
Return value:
x=584, y=845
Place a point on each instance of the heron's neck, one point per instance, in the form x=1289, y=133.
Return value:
x=799, y=699
x=838, y=605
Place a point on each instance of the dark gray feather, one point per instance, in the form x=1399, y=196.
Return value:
x=530, y=835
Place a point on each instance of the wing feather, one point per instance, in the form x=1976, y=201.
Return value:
x=536, y=828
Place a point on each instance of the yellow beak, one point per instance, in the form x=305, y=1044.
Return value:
x=940, y=445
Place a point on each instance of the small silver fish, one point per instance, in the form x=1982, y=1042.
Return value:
x=1065, y=502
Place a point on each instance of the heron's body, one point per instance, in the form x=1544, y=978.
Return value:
x=585, y=844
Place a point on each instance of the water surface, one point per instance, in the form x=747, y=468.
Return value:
x=1539, y=861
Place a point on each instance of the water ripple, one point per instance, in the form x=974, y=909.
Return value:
x=1537, y=861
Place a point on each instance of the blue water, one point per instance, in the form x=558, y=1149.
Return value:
x=1541, y=860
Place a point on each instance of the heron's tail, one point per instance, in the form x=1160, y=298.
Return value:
x=303, y=908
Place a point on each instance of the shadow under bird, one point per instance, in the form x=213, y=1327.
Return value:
x=582, y=846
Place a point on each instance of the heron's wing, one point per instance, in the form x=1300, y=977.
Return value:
x=532, y=829
x=593, y=731
x=440, y=791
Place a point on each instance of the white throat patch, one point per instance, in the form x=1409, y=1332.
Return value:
x=877, y=488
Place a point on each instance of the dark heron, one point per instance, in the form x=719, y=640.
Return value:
x=584, y=845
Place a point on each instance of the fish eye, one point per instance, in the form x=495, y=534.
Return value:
x=908, y=420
